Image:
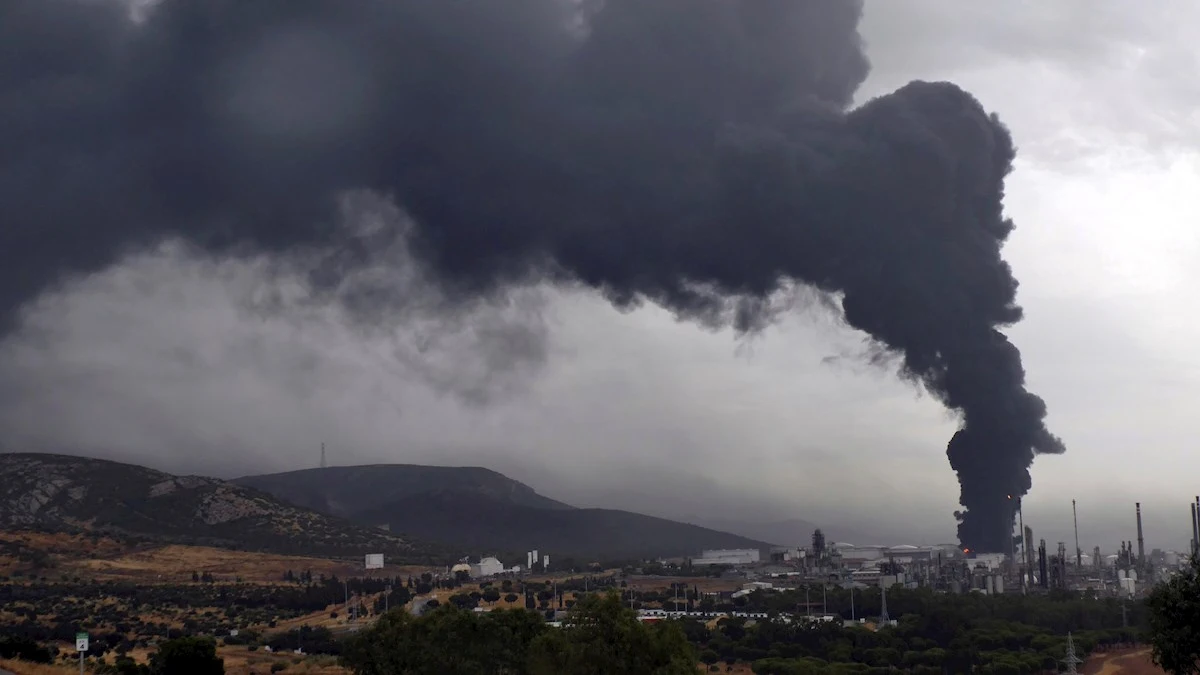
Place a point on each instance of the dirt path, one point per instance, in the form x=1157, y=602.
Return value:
x=1127, y=662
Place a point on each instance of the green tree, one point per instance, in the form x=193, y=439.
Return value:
x=603, y=637
x=1174, y=615
x=447, y=641
x=187, y=656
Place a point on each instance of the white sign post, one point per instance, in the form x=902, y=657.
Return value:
x=81, y=646
x=374, y=561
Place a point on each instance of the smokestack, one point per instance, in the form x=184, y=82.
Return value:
x=1078, y=551
x=1141, y=541
x=709, y=181
x=1029, y=555
x=1195, y=532
x=1043, y=580
x=1196, y=525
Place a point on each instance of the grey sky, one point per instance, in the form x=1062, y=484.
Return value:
x=170, y=360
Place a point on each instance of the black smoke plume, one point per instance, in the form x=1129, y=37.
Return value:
x=699, y=154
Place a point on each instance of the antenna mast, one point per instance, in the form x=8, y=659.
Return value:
x=323, y=464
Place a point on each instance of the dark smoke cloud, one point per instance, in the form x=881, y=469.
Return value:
x=695, y=153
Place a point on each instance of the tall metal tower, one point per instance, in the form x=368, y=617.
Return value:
x=1079, y=551
x=883, y=615
x=1071, y=660
x=323, y=464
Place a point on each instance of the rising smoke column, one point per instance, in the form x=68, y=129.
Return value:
x=699, y=154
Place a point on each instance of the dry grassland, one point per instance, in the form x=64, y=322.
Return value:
x=704, y=584
x=106, y=559
x=23, y=668
x=175, y=564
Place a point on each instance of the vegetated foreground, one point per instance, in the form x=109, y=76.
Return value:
x=134, y=598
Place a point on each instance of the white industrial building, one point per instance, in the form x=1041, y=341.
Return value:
x=487, y=567
x=734, y=556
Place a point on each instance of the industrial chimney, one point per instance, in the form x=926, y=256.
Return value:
x=1141, y=542
x=1028, y=549
x=1196, y=527
x=1079, y=551
x=1195, y=538
x=1043, y=580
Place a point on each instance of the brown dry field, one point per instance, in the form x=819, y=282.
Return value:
x=1126, y=662
x=704, y=584
x=22, y=668
x=60, y=547
x=174, y=564
x=107, y=559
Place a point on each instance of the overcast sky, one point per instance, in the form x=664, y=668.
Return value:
x=175, y=361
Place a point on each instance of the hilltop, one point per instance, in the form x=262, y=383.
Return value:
x=84, y=495
x=484, y=511
x=349, y=490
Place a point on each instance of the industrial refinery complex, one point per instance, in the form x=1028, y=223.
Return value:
x=1031, y=566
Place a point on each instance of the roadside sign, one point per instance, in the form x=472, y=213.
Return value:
x=81, y=642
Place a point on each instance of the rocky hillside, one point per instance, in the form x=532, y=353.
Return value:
x=77, y=494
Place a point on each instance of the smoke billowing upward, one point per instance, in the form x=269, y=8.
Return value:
x=700, y=154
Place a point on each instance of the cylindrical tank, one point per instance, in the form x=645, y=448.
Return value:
x=999, y=585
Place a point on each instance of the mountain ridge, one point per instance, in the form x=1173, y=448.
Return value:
x=83, y=494
x=377, y=484
x=486, y=511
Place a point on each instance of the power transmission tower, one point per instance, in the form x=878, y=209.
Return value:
x=1071, y=660
x=323, y=465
